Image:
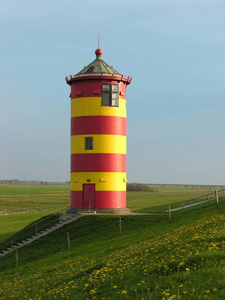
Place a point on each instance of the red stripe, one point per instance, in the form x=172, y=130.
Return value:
x=92, y=88
x=98, y=162
x=98, y=125
x=113, y=199
x=76, y=199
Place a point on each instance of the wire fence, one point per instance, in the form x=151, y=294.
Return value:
x=216, y=196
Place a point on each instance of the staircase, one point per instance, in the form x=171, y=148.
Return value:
x=65, y=219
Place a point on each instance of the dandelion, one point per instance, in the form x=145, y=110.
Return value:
x=124, y=292
x=92, y=292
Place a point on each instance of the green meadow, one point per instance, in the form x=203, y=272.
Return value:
x=21, y=205
x=152, y=259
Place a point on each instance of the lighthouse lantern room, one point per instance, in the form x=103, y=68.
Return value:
x=98, y=138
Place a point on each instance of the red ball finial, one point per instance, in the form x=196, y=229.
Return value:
x=98, y=52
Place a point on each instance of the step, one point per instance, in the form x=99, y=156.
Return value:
x=45, y=231
x=65, y=220
x=13, y=247
x=58, y=226
x=29, y=239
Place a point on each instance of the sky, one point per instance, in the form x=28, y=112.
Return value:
x=173, y=50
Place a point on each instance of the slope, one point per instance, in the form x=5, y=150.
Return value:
x=153, y=259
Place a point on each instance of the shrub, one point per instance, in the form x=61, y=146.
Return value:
x=139, y=187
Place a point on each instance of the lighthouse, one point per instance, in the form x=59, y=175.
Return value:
x=98, y=138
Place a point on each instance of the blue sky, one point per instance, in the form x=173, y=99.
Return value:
x=174, y=51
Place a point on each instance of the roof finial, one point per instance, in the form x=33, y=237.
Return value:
x=98, y=52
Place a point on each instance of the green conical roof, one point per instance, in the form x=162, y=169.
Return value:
x=98, y=66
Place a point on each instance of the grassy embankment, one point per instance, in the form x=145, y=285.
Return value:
x=153, y=259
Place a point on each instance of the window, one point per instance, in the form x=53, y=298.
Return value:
x=110, y=95
x=89, y=143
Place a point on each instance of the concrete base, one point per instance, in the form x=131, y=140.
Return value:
x=109, y=211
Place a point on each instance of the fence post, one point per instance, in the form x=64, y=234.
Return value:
x=169, y=212
x=217, y=199
x=36, y=228
x=68, y=240
x=17, y=258
x=120, y=226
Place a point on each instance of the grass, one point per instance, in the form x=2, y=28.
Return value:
x=158, y=200
x=32, y=229
x=153, y=259
x=33, y=197
x=10, y=224
x=22, y=204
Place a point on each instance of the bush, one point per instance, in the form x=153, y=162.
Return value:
x=138, y=187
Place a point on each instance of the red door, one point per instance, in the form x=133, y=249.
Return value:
x=89, y=195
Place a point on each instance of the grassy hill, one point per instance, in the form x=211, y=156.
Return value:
x=153, y=259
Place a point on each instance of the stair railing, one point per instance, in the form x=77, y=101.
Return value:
x=31, y=230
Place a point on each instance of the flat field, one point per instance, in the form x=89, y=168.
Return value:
x=34, y=197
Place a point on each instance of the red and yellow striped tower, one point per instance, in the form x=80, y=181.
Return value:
x=98, y=138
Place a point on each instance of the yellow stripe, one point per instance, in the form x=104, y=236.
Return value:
x=91, y=106
x=102, y=143
x=104, y=181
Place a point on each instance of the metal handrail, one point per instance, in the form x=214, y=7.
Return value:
x=12, y=241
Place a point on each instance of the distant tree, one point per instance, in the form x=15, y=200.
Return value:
x=138, y=187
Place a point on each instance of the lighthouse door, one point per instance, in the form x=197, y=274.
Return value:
x=89, y=195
